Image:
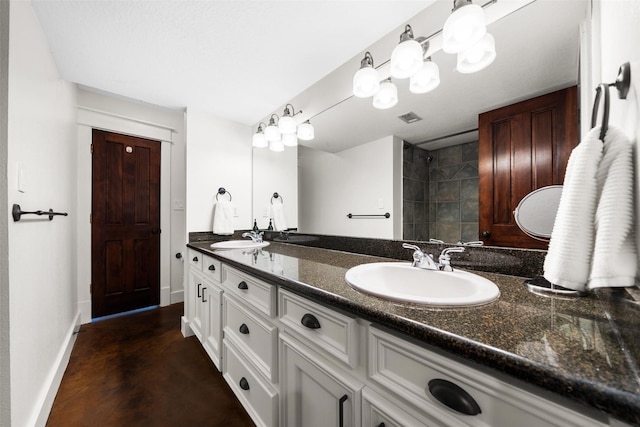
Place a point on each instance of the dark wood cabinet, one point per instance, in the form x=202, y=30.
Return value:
x=522, y=147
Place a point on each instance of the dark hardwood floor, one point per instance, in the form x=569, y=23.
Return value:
x=138, y=370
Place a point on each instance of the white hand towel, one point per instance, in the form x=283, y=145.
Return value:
x=615, y=256
x=223, y=217
x=568, y=261
x=277, y=213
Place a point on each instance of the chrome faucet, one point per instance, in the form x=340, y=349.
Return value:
x=422, y=260
x=255, y=237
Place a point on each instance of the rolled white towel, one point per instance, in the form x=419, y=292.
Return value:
x=568, y=261
x=615, y=255
x=223, y=217
x=277, y=213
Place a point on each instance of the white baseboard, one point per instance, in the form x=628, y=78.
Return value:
x=165, y=296
x=84, y=307
x=177, y=296
x=185, y=328
x=45, y=401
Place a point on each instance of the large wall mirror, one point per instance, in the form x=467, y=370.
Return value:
x=426, y=172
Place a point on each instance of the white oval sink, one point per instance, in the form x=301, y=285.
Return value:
x=399, y=281
x=239, y=244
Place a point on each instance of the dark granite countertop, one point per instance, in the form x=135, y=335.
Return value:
x=583, y=349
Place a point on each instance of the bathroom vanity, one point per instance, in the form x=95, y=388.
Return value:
x=300, y=347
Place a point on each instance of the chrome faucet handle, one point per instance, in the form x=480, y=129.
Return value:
x=418, y=255
x=473, y=243
x=444, y=260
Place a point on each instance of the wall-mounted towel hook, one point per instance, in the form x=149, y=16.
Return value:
x=277, y=196
x=222, y=191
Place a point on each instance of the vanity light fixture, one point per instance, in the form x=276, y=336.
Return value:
x=306, y=131
x=272, y=133
x=276, y=145
x=426, y=78
x=289, y=139
x=478, y=56
x=287, y=124
x=407, y=56
x=387, y=96
x=464, y=27
x=366, y=80
x=259, y=140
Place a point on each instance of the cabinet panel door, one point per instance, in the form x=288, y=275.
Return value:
x=522, y=147
x=314, y=394
x=212, y=341
x=197, y=307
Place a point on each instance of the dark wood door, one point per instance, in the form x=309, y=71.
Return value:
x=522, y=147
x=125, y=226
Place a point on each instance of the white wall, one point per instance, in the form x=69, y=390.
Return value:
x=615, y=38
x=362, y=180
x=275, y=172
x=42, y=253
x=121, y=115
x=218, y=155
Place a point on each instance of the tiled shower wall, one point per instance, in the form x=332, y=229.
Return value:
x=441, y=195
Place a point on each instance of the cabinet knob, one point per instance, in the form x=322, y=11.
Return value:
x=310, y=321
x=381, y=425
x=179, y=255
x=195, y=259
x=243, y=285
x=454, y=397
x=244, y=329
x=244, y=384
x=212, y=267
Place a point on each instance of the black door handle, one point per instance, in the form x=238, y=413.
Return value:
x=310, y=321
x=454, y=397
x=244, y=384
x=244, y=329
x=243, y=285
x=341, y=409
x=156, y=231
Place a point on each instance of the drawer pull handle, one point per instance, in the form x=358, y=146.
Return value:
x=454, y=397
x=199, y=295
x=243, y=285
x=195, y=259
x=310, y=321
x=244, y=329
x=381, y=425
x=244, y=384
x=203, y=300
x=212, y=267
x=341, y=409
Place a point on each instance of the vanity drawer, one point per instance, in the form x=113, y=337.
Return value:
x=407, y=370
x=256, y=293
x=333, y=332
x=258, y=398
x=195, y=259
x=211, y=268
x=378, y=410
x=255, y=337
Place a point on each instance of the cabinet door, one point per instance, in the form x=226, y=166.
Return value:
x=212, y=332
x=314, y=393
x=522, y=147
x=197, y=297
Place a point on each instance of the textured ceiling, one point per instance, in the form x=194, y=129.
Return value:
x=236, y=59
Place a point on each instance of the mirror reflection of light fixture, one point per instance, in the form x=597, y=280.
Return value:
x=289, y=139
x=406, y=57
x=259, y=140
x=478, y=56
x=306, y=131
x=464, y=27
x=387, y=95
x=426, y=78
x=276, y=145
x=366, y=80
x=272, y=133
x=287, y=124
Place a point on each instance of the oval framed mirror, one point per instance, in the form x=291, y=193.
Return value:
x=536, y=212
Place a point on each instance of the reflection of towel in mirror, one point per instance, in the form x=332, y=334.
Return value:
x=615, y=256
x=277, y=213
x=568, y=261
x=223, y=217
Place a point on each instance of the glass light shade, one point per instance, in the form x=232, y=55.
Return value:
x=259, y=141
x=276, y=145
x=289, y=139
x=478, y=56
x=287, y=125
x=464, y=27
x=387, y=96
x=366, y=82
x=406, y=59
x=425, y=79
x=306, y=131
x=272, y=132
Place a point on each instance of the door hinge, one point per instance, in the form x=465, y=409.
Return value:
x=90, y=218
x=91, y=148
